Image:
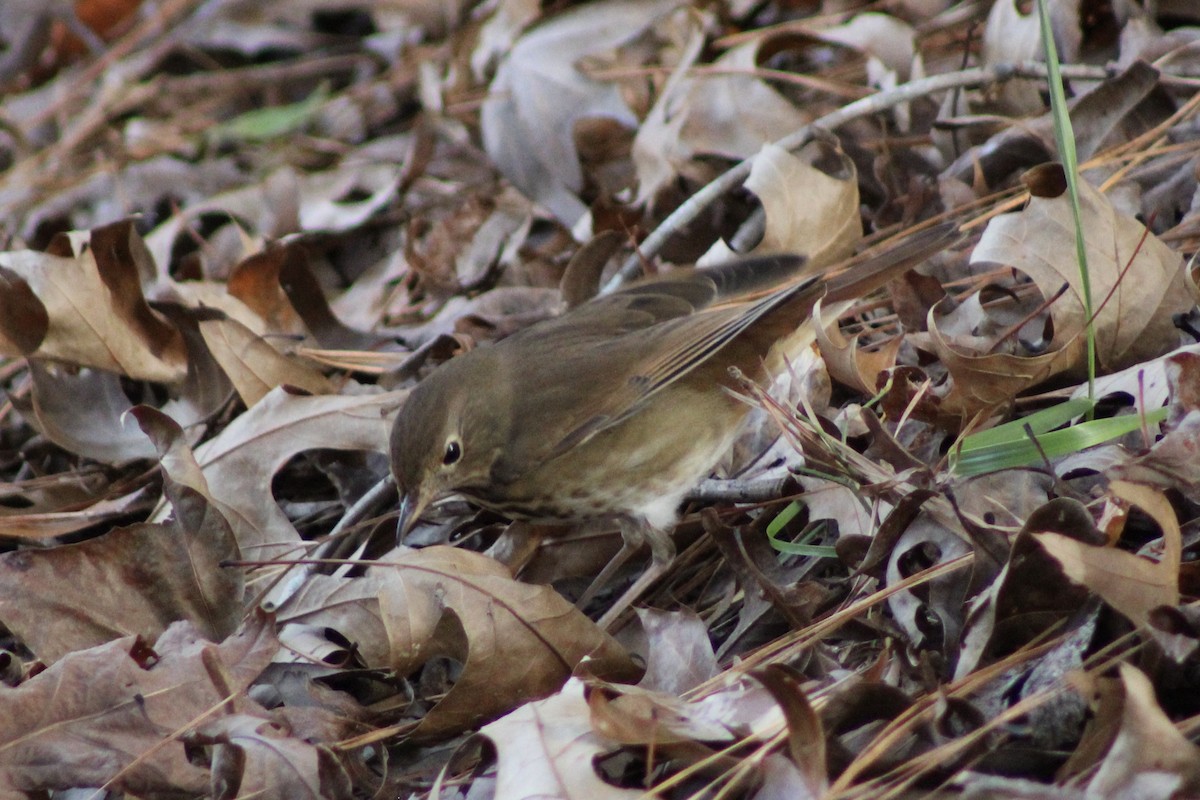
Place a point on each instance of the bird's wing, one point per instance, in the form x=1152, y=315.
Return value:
x=654, y=358
x=636, y=342
x=645, y=338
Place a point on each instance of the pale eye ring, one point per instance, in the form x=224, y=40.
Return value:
x=453, y=452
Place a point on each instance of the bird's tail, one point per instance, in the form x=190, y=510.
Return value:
x=865, y=274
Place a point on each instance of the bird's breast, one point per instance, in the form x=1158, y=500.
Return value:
x=639, y=468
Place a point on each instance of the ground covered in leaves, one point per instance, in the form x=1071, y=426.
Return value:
x=234, y=235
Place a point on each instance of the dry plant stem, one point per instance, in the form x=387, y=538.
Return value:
x=1142, y=144
x=290, y=581
x=881, y=101
x=910, y=772
x=1013, y=329
x=739, y=491
x=169, y=739
x=900, y=727
x=786, y=646
x=836, y=88
x=162, y=17
x=679, y=778
x=945, y=753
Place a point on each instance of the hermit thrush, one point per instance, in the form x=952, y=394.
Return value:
x=617, y=408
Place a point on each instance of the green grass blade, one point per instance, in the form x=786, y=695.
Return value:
x=1021, y=452
x=1040, y=421
x=1064, y=136
x=801, y=548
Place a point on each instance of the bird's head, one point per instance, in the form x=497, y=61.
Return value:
x=445, y=437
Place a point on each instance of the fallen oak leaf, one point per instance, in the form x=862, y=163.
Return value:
x=539, y=94
x=102, y=714
x=96, y=429
x=1137, y=281
x=549, y=748
x=266, y=756
x=240, y=462
x=253, y=365
x=982, y=382
x=1148, y=749
x=134, y=580
x=515, y=641
x=1129, y=583
x=96, y=313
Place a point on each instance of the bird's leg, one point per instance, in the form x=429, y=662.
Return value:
x=629, y=546
x=662, y=553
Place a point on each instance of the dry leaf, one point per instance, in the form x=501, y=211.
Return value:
x=984, y=382
x=548, y=749
x=240, y=462
x=1013, y=34
x=807, y=211
x=881, y=36
x=1135, y=323
x=1150, y=757
x=43, y=526
x=678, y=654
x=848, y=362
x=97, y=429
x=97, y=314
x=539, y=94
x=254, y=366
x=515, y=641
x=134, y=580
x=102, y=714
x=1129, y=583
x=264, y=757
x=730, y=115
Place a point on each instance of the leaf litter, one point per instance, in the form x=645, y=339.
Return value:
x=230, y=243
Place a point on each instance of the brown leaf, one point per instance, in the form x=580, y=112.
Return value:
x=255, y=282
x=262, y=756
x=515, y=641
x=254, y=366
x=95, y=429
x=807, y=211
x=26, y=320
x=982, y=382
x=1135, y=322
x=240, y=462
x=581, y=280
x=45, y=525
x=131, y=581
x=1150, y=758
x=548, y=749
x=539, y=93
x=632, y=715
x=97, y=314
x=1030, y=593
x=679, y=656
x=102, y=714
x=806, y=738
x=350, y=607
x=1129, y=583
x=732, y=115
x=855, y=366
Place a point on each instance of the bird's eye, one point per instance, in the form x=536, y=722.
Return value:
x=453, y=452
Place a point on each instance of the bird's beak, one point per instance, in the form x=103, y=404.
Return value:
x=412, y=506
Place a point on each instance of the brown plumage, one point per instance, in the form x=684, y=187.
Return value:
x=617, y=408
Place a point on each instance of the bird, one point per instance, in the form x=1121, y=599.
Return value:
x=619, y=407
